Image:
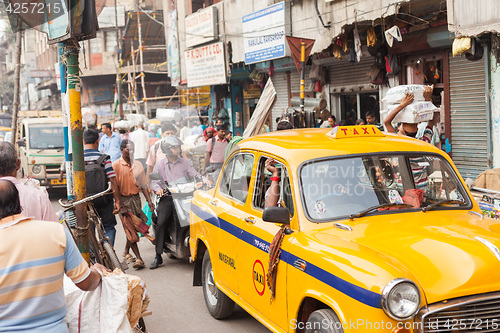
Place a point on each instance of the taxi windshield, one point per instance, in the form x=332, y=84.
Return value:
x=338, y=188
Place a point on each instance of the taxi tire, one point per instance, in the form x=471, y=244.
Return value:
x=218, y=304
x=317, y=319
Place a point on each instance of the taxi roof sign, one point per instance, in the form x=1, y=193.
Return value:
x=344, y=132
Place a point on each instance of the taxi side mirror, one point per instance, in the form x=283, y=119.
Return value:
x=21, y=143
x=276, y=215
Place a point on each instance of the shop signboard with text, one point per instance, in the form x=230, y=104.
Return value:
x=264, y=33
x=201, y=27
x=206, y=65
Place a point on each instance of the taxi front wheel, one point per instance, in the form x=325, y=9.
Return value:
x=218, y=304
x=323, y=321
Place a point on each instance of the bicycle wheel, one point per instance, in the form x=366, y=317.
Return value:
x=115, y=263
x=95, y=250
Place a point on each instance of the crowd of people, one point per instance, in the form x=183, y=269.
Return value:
x=35, y=254
x=132, y=156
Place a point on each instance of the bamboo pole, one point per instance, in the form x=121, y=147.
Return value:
x=129, y=85
x=134, y=82
x=141, y=59
x=17, y=84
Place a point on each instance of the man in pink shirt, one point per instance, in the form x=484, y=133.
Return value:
x=216, y=151
x=34, y=202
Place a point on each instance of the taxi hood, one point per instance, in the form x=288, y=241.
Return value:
x=446, y=252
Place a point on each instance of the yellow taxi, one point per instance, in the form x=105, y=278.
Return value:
x=373, y=232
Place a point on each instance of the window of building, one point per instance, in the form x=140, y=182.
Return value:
x=96, y=45
x=110, y=40
x=200, y=4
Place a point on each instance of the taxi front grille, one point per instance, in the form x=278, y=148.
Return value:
x=470, y=314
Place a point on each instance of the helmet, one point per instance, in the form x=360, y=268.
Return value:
x=168, y=142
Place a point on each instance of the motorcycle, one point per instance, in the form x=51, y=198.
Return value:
x=176, y=243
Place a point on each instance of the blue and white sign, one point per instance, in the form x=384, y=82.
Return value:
x=264, y=33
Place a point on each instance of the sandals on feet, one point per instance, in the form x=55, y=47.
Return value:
x=138, y=264
x=128, y=257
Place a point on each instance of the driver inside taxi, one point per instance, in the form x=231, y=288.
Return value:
x=273, y=192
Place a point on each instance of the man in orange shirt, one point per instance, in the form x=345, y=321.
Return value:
x=131, y=179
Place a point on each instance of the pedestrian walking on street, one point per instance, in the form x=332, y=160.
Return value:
x=216, y=148
x=34, y=202
x=140, y=139
x=109, y=143
x=34, y=256
x=131, y=180
x=184, y=131
x=104, y=206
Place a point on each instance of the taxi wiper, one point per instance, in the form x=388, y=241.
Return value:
x=441, y=202
x=371, y=209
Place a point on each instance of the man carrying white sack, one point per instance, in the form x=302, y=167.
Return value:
x=410, y=129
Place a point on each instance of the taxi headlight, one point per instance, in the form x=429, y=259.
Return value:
x=401, y=299
x=37, y=169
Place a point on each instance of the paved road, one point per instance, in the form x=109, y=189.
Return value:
x=177, y=306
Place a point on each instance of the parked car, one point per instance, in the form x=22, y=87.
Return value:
x=378, y=234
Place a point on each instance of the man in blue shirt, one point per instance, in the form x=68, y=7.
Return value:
x=110, y=142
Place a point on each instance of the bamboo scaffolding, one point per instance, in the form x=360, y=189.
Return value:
x=141, y=57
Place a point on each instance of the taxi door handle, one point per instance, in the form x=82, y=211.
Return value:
x=213, y=202
x=249, y=220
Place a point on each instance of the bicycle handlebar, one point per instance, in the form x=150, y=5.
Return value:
x=68, y=206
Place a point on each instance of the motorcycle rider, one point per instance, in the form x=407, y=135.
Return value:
x=170, y=169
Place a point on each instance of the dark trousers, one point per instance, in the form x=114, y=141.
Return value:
x=108, y=220
x=166, y=211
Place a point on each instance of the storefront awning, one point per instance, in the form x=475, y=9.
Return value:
x=473, y=18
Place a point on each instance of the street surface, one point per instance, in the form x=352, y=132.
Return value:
x=177, y=306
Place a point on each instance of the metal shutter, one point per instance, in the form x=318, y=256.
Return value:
x=343, y=73
x=469, y=121
x=295, y=81
x=280, y=85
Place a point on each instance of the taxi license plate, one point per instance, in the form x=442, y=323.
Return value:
x=57, y=182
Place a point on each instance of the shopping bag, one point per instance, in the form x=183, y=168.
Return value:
x=148, y=213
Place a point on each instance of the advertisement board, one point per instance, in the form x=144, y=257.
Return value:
x=206, y=65
x=201, y=27
x=264, y=33
x=100, y=94
x=196, y=96
x=174, y=70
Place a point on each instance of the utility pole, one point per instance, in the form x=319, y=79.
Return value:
x=17, y=84
x=73, y=70
x=302, y=74
x=118, y=61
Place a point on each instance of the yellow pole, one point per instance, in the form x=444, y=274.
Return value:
x=302, y=73
x=82, y=227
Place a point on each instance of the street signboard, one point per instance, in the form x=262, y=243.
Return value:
x=206, y=65
x=201, y=27
x=264, y=33
x=59, y=19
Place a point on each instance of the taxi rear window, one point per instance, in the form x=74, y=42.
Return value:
x=336, y=188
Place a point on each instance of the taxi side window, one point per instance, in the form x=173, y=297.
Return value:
x=263, y=182
x=236, y=177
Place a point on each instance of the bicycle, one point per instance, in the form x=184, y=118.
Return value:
x=102, y=251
